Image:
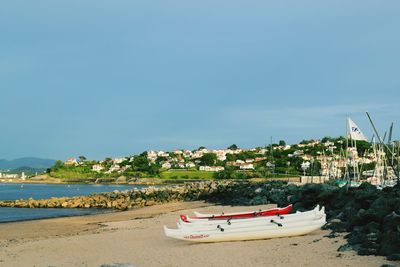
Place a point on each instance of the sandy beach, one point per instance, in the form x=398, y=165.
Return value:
x=136, y=238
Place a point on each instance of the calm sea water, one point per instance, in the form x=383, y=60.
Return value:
x=43, y=191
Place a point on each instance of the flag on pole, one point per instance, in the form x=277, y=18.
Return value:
x=355, y=132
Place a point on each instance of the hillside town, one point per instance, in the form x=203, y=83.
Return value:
x=328, y=157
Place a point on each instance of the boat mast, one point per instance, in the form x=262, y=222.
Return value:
x=398, y=160
x=348, y=160
x=383, y=146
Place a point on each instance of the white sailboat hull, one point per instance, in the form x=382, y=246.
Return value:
x=251, y=219
x=271, y=224
x=248, y=233
x=210, y=215
x=254, y=222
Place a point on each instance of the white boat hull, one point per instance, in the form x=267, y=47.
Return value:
x=266, y=232
x=255, y=222
x=248, y=214
x=251, y=219
x=199, y=214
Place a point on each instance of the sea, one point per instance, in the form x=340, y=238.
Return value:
x=13, y=191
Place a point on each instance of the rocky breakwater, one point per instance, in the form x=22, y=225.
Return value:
x=370, y=217
x=123, y=200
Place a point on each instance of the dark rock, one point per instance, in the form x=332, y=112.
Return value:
x=367, y=251
x=336, y=225
x=258, y=201
x=345, y=247
x=391, y=222
x=331, y=235
x=394, y=257
x=390, y=243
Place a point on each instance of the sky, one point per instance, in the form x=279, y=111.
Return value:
x=114, y=78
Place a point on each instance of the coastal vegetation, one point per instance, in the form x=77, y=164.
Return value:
x=187, y=174
x=274, y=160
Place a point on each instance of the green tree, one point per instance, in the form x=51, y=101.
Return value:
x=141, y=163
x=230, y=157
x=362, y=147
x=208, y=159
x=233, y=147
x=282, y=143
x=57, y=165
x=326, y=139
x=228, y=173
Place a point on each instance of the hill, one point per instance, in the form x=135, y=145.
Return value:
x=30, y=162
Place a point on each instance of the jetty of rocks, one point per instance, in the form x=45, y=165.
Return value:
x=123, y=200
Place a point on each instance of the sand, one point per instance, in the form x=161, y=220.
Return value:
x=136, y=238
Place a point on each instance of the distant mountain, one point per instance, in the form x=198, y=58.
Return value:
x=30, y=162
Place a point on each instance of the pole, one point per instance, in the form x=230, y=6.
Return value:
x=398, y=160
x=383, y=145
x=390, y=134
x=348, y=164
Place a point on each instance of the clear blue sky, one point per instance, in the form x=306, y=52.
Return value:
x=113, y=78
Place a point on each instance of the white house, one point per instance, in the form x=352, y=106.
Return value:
x=97, y=168
x=180, y=165
x=114, y=167
x=9, y=175
x=118, y=160
x=197, y=154
x=178, y=152
x=328, y=143
x=71, y=161
x=151, y=155
x=190, y=165
x=166, y=165
x=247, y=166
x=211, y=168
x=221, y=157
x=298, y=153
x=162, y=154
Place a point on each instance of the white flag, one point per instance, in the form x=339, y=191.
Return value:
x=355, y=132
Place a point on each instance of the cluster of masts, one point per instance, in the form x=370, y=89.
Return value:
x=386, y=154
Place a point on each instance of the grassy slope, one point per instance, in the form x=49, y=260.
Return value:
x=83, y=173
x=183, y=174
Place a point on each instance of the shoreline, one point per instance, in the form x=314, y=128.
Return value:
x=45, y=179
x=101, y=211
x=135, y=237
x=142, y=182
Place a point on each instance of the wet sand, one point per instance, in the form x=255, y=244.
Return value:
x=136, y=238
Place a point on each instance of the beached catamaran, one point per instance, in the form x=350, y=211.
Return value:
x=237, y=215
x=248, y=228
x=252, y=222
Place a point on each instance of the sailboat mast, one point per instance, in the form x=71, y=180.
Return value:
x=383, y=144
x=348, y=160
x=396, y=145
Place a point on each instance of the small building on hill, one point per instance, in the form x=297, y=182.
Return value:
x=71, y=162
